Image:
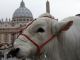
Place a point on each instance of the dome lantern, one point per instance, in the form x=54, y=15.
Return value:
x=22, y=4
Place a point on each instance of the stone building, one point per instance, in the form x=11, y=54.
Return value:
x=9, y=29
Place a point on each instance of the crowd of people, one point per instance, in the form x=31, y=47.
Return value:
x=4, y=48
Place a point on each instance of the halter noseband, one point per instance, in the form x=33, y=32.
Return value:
x=39, y=47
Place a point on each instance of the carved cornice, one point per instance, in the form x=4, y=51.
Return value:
x=11, y=30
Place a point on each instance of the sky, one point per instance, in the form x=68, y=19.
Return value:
x=60, y=9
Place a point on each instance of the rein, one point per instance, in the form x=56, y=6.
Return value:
x=39, y=47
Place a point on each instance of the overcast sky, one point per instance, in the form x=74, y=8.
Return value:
x=59, y=8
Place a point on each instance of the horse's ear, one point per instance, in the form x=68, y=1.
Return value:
x=67, y=26
x=61, y=26
x=64, y=26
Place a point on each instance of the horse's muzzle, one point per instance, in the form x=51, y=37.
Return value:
x=13, y=53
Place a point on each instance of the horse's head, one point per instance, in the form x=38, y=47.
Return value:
x=36, y=37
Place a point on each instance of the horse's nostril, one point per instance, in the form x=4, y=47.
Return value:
x=16, y=50
x=13, y=52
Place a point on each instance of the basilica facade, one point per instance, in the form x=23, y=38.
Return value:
x=10, y=29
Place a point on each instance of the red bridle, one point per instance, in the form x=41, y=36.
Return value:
x=39, y=47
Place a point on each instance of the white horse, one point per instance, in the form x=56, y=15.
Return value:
x=47, y=39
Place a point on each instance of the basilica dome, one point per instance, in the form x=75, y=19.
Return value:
x=22, y=11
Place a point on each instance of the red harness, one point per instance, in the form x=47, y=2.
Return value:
x=39, y=47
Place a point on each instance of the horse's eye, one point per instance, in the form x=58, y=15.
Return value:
x=40, y=30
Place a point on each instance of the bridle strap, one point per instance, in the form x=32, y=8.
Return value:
x=20, y=32
x=39, y=47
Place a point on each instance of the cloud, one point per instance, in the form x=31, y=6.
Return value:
x=65, y=8
x=59, y=8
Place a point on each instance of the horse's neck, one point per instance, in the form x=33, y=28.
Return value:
x=51, y=51
x=54, y=48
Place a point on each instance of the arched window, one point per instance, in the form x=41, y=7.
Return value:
x=0, y=37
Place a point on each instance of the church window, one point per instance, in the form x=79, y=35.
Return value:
x=23, y=19
x=20, y=25
x=27, y=19
x=0, y=37
x=6, y=37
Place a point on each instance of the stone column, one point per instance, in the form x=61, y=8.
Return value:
x=47, y=7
